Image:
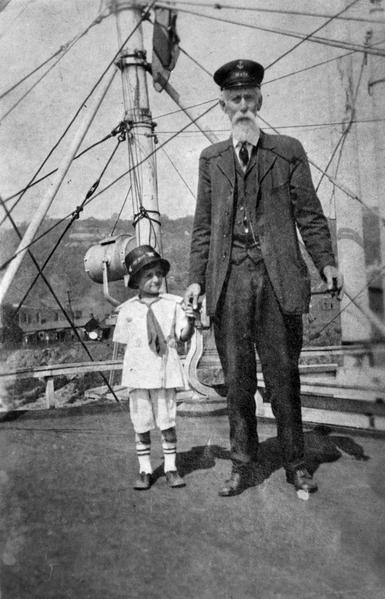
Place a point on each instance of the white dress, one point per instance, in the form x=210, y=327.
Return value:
x=143, y=368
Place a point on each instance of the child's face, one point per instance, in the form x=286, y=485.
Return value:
x=150, y=280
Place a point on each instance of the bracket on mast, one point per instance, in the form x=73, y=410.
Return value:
x=138, y=58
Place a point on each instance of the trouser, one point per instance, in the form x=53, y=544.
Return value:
x=248, y=318
x=152, y=407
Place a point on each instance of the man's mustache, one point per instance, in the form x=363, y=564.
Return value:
x=243, y=116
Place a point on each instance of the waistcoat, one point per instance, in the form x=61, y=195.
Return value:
x=245, y=238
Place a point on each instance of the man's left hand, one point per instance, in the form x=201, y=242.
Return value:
x=334, y=280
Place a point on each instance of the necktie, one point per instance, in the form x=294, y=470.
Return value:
x=244, y=154
x=156, y=339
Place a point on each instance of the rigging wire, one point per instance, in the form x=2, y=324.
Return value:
x=9, y=90
x=291, y=73
x=138, y=24
x=313, y=39
x=219, y=6
x=310, y=35
x=340, y=186
x=62, y=52
x=120, y=211
x=179, y=173
x=341, y=142
x=63, y=49
x=160, y=146
x=32, y=87
x=114, y=132
x=179, y=110
x=8, y=27
x=195, y=61
x=319, y=64
x=212, y=100
x=61, y=306
x=348, y=303
x=75, y=216
x=300, y=126
x=140, y=212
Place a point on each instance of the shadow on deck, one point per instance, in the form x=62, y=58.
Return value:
x=71, y=525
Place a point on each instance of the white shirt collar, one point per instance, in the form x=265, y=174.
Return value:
x=250, y=142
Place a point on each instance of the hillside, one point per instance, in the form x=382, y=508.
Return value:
x=67, y=276
x=66, y=273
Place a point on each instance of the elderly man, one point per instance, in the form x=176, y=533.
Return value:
x=254, y=191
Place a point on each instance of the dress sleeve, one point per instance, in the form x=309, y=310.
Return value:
x=121, y=328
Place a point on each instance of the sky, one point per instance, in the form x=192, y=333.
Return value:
x=299, y=105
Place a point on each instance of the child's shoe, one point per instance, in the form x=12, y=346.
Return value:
x=143, y=482
x=173, y=479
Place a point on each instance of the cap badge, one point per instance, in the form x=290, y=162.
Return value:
x=240, y=64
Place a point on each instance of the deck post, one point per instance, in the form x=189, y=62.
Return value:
x=50, y=392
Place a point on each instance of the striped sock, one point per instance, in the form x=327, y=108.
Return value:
x=169, y=452
x=143, y=451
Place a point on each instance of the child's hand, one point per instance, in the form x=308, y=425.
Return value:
x=190, y=312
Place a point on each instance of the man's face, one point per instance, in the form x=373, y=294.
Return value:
x=239, y=101
x=241, y=106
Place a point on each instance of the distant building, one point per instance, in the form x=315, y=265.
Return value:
x=49, y=325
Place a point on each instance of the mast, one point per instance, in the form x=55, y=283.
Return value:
x=132, y=63
x=376, y=91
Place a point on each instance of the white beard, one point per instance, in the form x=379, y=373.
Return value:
x=245, y=127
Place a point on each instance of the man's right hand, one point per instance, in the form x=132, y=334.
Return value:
x=192, y=294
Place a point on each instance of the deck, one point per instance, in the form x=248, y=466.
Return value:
x=72, y=527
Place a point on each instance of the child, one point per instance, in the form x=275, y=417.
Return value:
x=149, y=325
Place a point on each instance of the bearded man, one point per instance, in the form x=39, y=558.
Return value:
x=254, y=192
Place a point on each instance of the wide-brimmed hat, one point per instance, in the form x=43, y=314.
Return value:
x=139, y=258
x=239, y=73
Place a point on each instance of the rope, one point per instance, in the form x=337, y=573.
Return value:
x=144, y=213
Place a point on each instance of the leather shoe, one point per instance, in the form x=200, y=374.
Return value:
x=174, y=480
x=238, y=482
x=143, y=482
x=302, y=480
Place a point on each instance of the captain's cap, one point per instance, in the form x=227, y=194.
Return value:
x=239, y=73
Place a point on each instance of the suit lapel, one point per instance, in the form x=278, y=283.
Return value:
x=226, y=162
x=266, y=157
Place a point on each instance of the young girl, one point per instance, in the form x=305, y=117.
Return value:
x=149, y=325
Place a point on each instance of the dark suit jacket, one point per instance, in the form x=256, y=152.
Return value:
x=285, y=197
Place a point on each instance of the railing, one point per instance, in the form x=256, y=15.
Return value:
x=324, y=398
x=49, y=372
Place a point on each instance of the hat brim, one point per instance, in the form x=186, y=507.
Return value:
x=150, y=261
